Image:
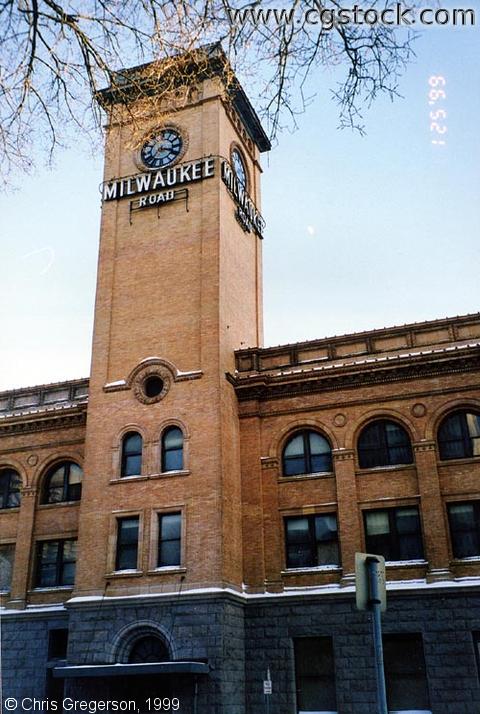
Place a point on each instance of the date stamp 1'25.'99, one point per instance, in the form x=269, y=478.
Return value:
x=437, y=96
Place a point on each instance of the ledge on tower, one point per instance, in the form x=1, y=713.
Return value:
x=191, y=67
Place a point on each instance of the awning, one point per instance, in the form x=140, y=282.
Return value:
x=121, y=669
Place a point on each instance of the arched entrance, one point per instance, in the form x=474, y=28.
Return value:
x=145, y=688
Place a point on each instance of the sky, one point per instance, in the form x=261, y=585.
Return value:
x=362, y=231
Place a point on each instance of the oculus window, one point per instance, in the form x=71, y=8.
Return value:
x=56, y=561
x=63, y=483
x=311, y=540
x=127, y=543
x=459, y=436
x=132, y=445
x=384, y=443
x=10, y=485
x=405, y=674
x=394, y=533
x=315, y=675
x=306, y=452
x=169, y=539
x=172, y=449
x=464, y=520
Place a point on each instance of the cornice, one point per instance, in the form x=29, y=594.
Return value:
x=27, y=425
x=279, y=385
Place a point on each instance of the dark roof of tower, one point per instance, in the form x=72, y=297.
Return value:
x=129, y=83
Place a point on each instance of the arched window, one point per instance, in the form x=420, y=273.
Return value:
x=10, y=485
x=459, y=436
x=63, y=483
x=132, y=454
x=148, y=649
x=172, y=449
x=384, y=443
x=306, y=452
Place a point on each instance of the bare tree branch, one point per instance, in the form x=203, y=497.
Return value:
x=55, y=55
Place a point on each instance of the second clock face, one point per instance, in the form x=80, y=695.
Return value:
x=239, y=168
x=162, y=149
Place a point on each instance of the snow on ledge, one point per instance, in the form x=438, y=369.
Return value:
x=307, y=590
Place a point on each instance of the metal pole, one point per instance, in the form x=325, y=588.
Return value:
x=195, y=695
x=375, y=602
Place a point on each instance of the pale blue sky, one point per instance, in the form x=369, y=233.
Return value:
x=362, y=232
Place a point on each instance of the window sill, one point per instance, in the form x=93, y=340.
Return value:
x=46, y=506
x=380, y=469
x=167, y=569
x=126, y=479
x=313, y=569
x=306, y=477
x=406, y=563
x=124, y=574
x=50, y=589
x=15, y=509
x=164, y=474
x=463, y=460
x=471, y=560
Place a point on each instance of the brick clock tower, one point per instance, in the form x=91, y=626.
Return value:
x=179, y=289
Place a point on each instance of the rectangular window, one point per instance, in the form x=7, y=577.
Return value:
x=394, y=533
x=56, y=561
x=476, y=645
x=464, y=519
x=315, y=675
x=311, y=540
x=57, y=643
x=7, y=553
x=405, y=674
x=169, y=539
x=127, y=543
x=57, y=650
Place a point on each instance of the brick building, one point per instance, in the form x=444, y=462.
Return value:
x=185, y=520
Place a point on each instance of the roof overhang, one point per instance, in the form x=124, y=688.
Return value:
x=204, y=62
x=123, y=669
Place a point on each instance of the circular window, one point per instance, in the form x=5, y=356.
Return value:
x=153, y=386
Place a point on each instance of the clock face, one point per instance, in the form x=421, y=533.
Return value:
x=162, y=149
x=239, y=168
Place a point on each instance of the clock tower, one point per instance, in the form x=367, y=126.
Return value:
x=179, y=289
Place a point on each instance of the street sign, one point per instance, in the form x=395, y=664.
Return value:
x=267, y=686
x=363, y=584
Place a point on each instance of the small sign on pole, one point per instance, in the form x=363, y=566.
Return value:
x=267, y=683
x=363, y=585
